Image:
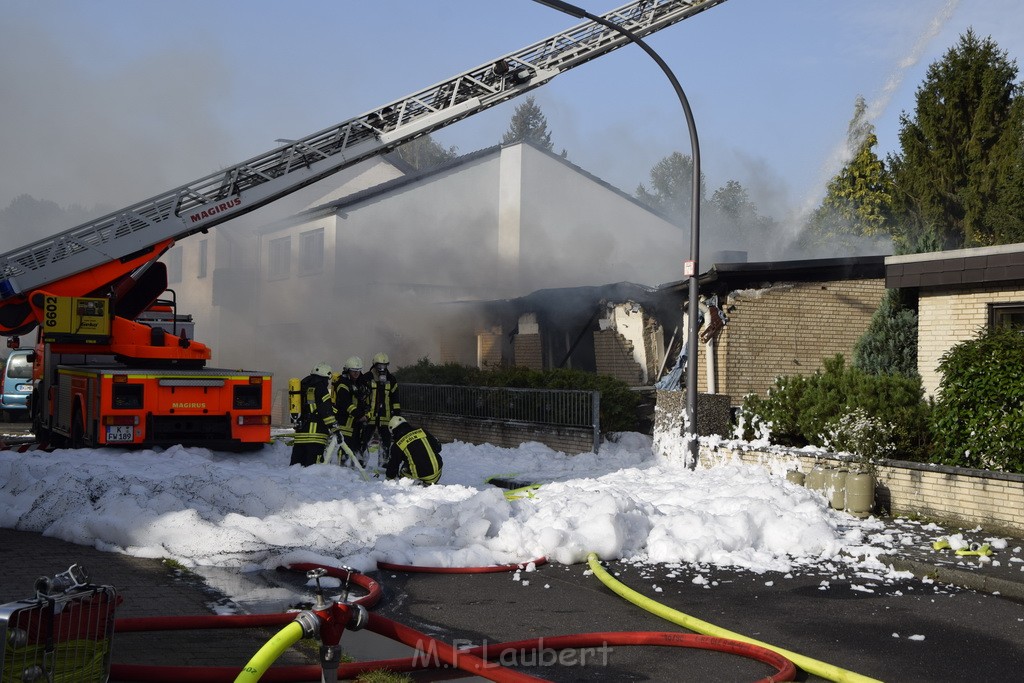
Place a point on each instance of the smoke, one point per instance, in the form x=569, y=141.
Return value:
x=85, y=135
x=845, y=150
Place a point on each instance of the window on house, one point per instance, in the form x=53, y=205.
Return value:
x=173, y=261
x=280, y=258
x=311, y=251
x=1006, y=315
x=202, y=258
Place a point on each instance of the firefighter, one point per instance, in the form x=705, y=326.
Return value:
x=350, y=404
x=381, y=401
x=415, y=453
x=316, y=420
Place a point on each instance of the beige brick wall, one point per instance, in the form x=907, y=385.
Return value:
x=613, y=354
x=946, y=319
x=527, y=350
x=953, y=495
x=788, y=330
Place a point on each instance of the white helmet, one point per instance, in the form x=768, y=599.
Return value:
x=322, y=369
x=381, y=358
x=354, y=363
x=395, y=421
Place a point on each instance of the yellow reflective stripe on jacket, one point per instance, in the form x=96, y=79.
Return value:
x=403, y=444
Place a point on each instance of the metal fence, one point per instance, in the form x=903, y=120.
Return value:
x=552, y=407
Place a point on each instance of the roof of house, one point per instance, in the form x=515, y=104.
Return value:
x=722, y=278
x=418, y=176
x=997, y=264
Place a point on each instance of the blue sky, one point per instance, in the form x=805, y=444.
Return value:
x=111, y=101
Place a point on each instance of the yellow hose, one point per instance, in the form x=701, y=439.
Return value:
x=269, y=653
x=811, y=666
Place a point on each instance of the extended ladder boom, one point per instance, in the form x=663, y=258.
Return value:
x=268, y=177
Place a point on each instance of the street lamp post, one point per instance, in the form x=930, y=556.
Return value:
x=692, y=271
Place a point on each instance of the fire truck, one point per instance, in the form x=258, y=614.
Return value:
x=117, y=364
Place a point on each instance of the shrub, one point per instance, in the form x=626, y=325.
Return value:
x=618, y=402
x=867, y=438
x=802, y=409
x=978, y=419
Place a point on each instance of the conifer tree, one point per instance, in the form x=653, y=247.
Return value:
x=959, y=150
x=528, y=124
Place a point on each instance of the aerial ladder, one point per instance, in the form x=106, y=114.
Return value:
x=86, y=287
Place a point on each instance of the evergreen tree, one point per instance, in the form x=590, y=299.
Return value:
x=529, y=124
x=959, y=150
x=424, y=152
x=858, y=204
x=889, y=345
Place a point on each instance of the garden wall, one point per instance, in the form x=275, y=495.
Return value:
x=955, y=495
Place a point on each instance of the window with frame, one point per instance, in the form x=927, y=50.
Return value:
x=1006, y=315
x=173, y=261
x=279, y=263
x=311, y=251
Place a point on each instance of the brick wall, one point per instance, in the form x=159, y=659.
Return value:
x=955, y=495
x=613, y=354
x=563, y=439
x=788, y=330
x=489, y=350
x=946, y=319
x=527, y=351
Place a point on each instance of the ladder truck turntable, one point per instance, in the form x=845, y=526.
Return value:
x=117, y=365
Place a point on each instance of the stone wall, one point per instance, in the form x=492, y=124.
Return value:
x=713, y=413
x=955, y=495
x=507, y=435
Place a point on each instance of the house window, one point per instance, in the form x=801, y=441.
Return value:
x=202, y=258
x=173, y=261
x=311, y=251
x=1006, y=315
x=280, y=256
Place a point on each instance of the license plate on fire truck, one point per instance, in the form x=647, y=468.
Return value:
x=120, y=433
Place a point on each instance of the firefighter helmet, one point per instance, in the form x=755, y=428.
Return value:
x=381, y=358
x=354, y=363
x=395, y=421
x=322, y=369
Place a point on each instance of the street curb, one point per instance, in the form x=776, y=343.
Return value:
x=964, y=579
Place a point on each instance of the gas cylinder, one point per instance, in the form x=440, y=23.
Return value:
x=815, y=479
x=836, y=484
x=294, y=398
x=795, y=476
x=860, y=493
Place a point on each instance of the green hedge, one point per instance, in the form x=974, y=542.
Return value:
x=618, y=402
x=978, y=419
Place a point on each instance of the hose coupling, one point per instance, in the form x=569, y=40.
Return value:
x=310, y=623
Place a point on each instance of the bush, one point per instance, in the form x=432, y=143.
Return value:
x=618, y=402
x=802, y=409
x=978, y=419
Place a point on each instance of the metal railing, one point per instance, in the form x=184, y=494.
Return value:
x=546, y=407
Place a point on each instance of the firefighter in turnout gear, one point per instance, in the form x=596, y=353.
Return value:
x=381, y=401
x=317, y=420
x=415, y=453
x=350, y=404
